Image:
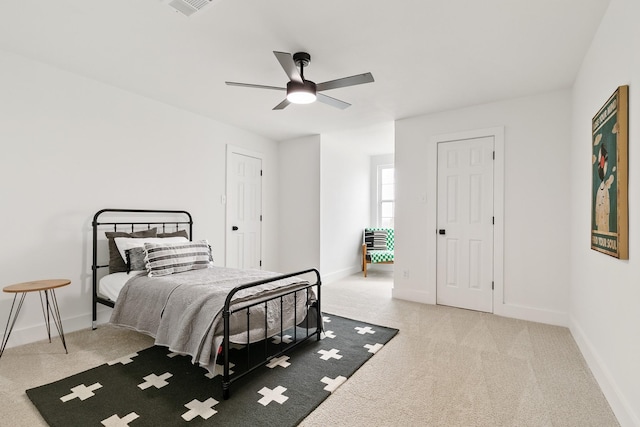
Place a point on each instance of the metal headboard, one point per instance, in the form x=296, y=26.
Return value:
x=179, y=220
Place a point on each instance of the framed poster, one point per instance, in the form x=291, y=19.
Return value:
x=609, y=170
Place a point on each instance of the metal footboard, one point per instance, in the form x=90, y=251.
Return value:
x=253, y=363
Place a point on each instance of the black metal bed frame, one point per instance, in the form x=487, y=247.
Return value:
x=228, y=310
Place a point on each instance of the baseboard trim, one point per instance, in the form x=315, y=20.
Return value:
x=531, y=314
x=340, y=274
x=623, y=411
x=38, y=332
x=412, y=295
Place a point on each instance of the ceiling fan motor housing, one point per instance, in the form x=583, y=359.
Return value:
x=306, y=86
x=302, y=59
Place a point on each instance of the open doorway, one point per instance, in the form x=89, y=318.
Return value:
x=348, y=195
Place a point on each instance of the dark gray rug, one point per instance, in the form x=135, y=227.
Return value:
x=158, y=388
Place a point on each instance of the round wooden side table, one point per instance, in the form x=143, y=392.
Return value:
x=49, y=306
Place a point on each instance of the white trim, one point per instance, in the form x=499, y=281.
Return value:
x=38, y=332
x=413, y=295
x=232, y=149
x=498, y=207
x=382, y=159
x=341, y=274
x=626, y=414
x=531, y=314
x=379, y=168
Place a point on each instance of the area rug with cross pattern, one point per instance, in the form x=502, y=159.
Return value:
x=155, y=387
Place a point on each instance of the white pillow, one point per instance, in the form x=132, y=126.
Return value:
x=125, y=243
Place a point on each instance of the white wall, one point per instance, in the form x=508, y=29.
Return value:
x=536, y=202
x=605, y=292
x=344, y=202
x=299, y=191
x=72, y=146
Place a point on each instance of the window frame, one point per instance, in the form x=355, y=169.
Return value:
x=380, y=200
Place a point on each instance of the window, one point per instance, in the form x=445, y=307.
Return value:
x=386, y=195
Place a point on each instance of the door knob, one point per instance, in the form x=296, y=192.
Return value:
x=442, y=231
x=234, y=228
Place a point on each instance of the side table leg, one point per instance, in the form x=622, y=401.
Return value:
x=53, y=309
x=11, y=323
x=45, y=312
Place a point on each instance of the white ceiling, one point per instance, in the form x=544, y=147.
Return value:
x=425, y=55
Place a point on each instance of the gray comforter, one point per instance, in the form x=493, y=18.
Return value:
x=184, y=311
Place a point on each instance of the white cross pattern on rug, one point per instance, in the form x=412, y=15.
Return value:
x=272, y=395
x=333, y=383
x=155, y=381
x=200, y=409
x=115, y=421
x=365, y=330
x=285, y=339
x=82, y=392
x=326, y=319
x=218, y=370
x=330, y=334
x=373, y=348
x=124, y=359
x=279, y=361
x=331, y=354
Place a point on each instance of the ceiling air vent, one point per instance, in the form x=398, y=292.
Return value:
x=189, y=7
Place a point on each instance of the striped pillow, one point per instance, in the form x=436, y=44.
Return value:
x=168, y=258
x=376, y=239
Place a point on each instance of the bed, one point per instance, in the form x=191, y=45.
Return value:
x=161, y=282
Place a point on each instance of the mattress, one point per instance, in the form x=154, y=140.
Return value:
x=111, y=284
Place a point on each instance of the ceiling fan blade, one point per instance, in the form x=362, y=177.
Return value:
x=254, y=86
x=358, y=79
x=282, y=105
x=286, y=61
x=332, y=101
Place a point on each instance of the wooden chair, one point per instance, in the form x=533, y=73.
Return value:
x=377, y=247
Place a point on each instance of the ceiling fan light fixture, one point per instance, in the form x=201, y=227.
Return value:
x=301, y=93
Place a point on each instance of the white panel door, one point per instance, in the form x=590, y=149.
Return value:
x=244, y=211
x=465, y=224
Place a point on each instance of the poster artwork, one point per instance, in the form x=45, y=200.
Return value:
x=609, y=212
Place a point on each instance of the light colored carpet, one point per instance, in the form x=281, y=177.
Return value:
x=446, y=367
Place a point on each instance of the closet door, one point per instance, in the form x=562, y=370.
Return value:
x=465, y=224
x=244, y=210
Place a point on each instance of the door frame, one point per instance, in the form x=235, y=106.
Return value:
x=230, y=150
x=498, y=207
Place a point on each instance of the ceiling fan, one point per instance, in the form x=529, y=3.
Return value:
x=302, y=91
